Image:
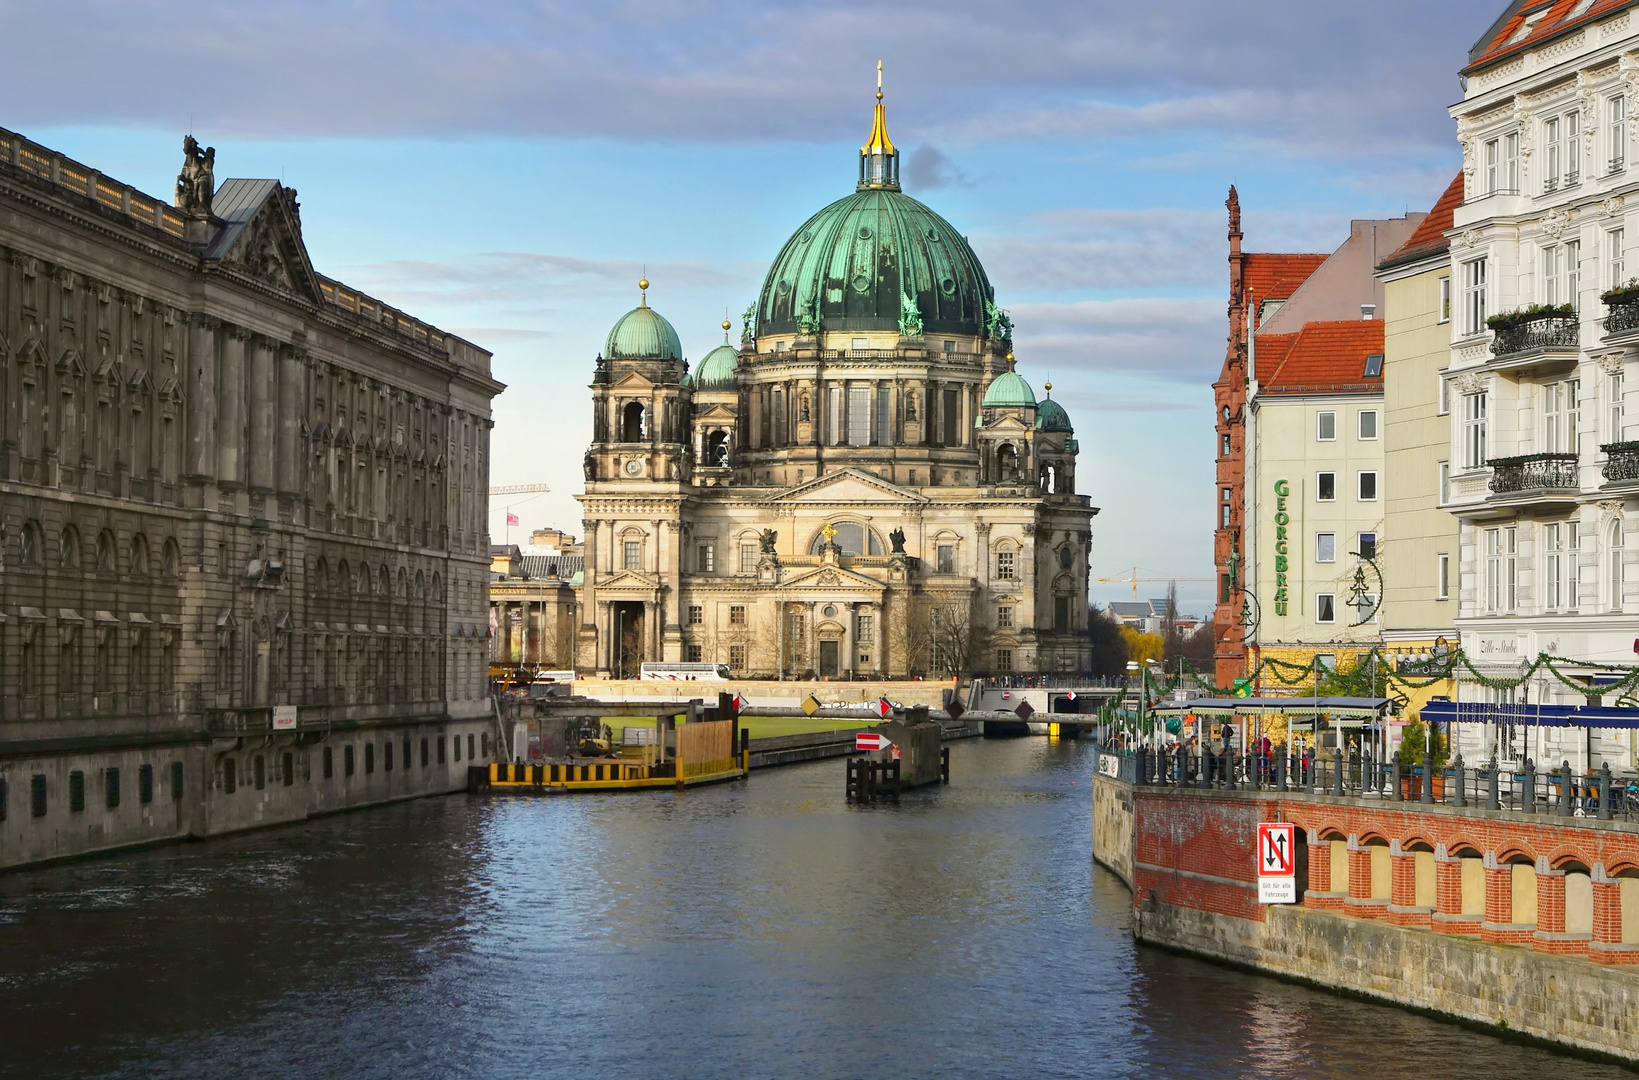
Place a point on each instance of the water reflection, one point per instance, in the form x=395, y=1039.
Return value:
x=762, y=929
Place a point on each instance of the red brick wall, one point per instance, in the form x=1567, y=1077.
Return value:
x=1195, y=849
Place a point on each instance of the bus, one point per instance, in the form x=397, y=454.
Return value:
x=681, y=672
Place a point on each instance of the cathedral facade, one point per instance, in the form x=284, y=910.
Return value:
x=862, y=486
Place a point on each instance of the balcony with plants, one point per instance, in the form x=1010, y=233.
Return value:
x=1535, y=336
x=1622, y=312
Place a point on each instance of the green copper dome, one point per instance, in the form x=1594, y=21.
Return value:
x=642, y=334
x=1050, y=416
x=877, y=260
x=719, y=370
x=1010, y=389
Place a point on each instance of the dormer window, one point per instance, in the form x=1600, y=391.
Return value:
x=1374, y=365
x=1526, y=27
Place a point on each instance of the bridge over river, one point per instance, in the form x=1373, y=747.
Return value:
x=763, y=928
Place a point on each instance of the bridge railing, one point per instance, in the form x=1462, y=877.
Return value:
x=1521, y=788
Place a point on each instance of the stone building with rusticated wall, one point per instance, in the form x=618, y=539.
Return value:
x=228, y=484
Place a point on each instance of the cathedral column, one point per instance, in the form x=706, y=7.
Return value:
x=291, y=394
x=201, y=404
x=982, y=530
x=261, y=408
x=230, y=431
x=850, y=646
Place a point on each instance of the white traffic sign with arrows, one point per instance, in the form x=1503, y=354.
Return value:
x=1277, y=863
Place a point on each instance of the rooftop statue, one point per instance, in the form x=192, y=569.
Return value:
x=196, y=183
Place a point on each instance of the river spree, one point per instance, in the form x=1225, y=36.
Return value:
x=756, y=929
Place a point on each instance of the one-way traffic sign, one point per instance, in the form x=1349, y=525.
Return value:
x=1276, y=852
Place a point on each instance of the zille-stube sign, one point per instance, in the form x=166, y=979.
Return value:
x=284, y=718
x=870, y=740
x=1277, y=863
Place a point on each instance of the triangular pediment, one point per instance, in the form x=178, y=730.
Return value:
x=1009, y=424
x=717, y=414
x=832, y=577
x=261, y=236
x=847, y=487
x=629, y=579
x=633, y=381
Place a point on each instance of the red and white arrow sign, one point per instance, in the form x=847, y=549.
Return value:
x=1276, y=849
x=882, y=707
x=870, y=740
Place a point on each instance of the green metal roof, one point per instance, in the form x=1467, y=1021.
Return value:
x=863, y=261
x=643, y=334
x=719, y=369
x=1009, y=389
x=1050, y=416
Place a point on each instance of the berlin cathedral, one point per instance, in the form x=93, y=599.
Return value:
x=862, y=487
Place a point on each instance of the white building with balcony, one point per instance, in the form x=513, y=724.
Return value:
x=1543, y=473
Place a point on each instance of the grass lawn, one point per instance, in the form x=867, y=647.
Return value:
x=761, y=727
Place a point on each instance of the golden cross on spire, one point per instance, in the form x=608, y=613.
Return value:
x=879, y=80
x=829, y=532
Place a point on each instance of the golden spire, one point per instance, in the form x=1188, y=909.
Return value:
x=643, y=289
x=727, y=326
x=879, y=143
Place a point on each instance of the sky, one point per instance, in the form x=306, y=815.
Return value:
x=508, y=171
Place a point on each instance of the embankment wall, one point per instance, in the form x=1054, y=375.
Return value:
x=1189, y=855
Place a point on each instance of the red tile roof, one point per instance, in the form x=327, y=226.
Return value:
x=1429, y=237
x=1323, y=357
x=1498, y=45
x=1277, y=277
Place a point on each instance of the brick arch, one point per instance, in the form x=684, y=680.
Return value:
x=1461, y=843
x=1562, y=857
x=1371, y=838
x=1514, y=851
x=1416, y=842
x=1331, y=831
x=1624, y=866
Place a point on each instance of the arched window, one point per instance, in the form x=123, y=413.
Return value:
x=105, y=552
x=68, y=549
x=321, y=577
x=437, y=592
x=1615, y=573
x=384, y=581
x=717, y=449
x=403, y=584
x=1007, y=464
x=139, y=556
x=172, y=559
x=364, y=586
x=852, y=537
x=29, y=550
x=631, y=422
x=420, y=585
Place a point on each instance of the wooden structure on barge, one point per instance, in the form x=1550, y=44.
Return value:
x=684, y=755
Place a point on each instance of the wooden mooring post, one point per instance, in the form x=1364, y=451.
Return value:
x=872, y=781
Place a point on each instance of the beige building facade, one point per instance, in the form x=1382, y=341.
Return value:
x=242, y=519
x=862, y=486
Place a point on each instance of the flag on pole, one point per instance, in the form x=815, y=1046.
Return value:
x=739, y=703
x=882, y=707
x=511, y=518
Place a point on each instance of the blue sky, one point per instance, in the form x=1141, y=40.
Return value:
x=508, y=172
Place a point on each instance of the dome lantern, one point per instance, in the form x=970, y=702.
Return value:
x=878, y=159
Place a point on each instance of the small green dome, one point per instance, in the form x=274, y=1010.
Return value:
x=643, y=334
x=1050, y=416
x=1009, y=389
x=719, y=370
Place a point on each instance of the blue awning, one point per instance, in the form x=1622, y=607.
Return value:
x=1481, y=712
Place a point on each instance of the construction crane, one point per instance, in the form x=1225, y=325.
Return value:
x=1135, y=579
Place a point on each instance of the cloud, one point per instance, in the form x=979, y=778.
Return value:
x=1311, y=78
x=929, y=169
x=1172, y=339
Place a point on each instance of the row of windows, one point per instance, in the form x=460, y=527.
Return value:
x=1560, y=280
x=1560, y=406
x=1365, y=425
x=39, y=795
x=706, y=555
x=31, y=551
x=1563, y=136
x=1561, y=568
